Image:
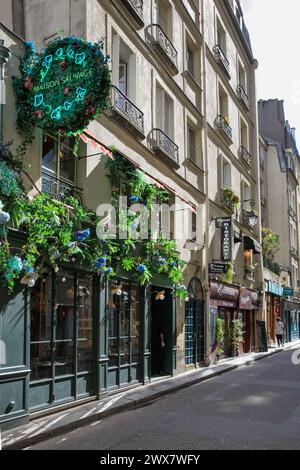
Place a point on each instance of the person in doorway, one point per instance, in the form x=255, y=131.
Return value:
x=279, y=332
x=158, y=348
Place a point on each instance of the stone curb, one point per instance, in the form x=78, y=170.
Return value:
x=127, y=403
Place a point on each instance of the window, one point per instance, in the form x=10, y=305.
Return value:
x=223, y=103
x=246, y=196
x=124, y=68
x=192, y=144
x=190, y=60
x=226, y=174
x=57, y=157
x=164, y=17
x=221, y=36
x=242, y=77
x=164, y=112
x=244, y=134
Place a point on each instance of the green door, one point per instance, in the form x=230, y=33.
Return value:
x=194, y=324
x=124, y=335
x=61, y=346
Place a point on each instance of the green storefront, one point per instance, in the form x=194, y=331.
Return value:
x=71, y=338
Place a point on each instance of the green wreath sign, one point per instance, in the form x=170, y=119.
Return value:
x=64, y=88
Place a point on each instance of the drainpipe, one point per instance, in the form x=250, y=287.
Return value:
x=5, y=56
x=206, y=208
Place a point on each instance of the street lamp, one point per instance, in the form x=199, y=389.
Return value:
x=5, y=56
x=250, y=217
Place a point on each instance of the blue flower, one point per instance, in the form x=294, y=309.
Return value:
x=108, y=270
x=162, y=260
x=15, y=264
x=173, y=264
x=134, y=225
x=134, y=198
x=100, y=262
x=141, y=268
x=4, y=217
x=83, y=235
x=27, y=268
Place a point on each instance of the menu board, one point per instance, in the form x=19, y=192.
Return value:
x=262, y=336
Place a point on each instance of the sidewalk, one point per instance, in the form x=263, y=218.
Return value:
x=65, y=421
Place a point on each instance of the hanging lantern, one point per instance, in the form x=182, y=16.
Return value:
x=117, y=290
x=160, y=295
x=29, y=279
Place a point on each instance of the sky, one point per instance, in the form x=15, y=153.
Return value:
x=274, y=30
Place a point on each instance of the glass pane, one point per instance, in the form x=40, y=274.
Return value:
x=40, y=361
x=64, y=358
x=124, y=311
x=67, y=159
x=40, y=327
x=64, y=306
x=84, y=356
x=124, y=351
x=113, y=352
x=49, y=160
x=123, y=78
x=135, y=323
x=85, y=312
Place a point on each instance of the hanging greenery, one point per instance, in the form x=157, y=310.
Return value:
x=62, y=89
x=65, y=232
x=236, y=336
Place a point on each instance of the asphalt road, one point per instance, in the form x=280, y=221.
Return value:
x=254, y=407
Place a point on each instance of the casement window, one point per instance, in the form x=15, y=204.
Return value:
x=124, y=68
x=190, y=61
x=192, y=151
x=164, y=112
x=225, y=173
x=246, y=195
x=244, y=138
x=221, y=36
x=223, y=103
x=163, y=17
x=242, y=77
x=58, y=159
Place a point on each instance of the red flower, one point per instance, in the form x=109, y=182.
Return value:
x=64, y=65
x=28, y=83
x=76, y=45
x=66, y=90
x=87, y=99
x=39, y=114
x=92, y=110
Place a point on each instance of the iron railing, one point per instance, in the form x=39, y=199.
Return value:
x=221, y=59
x=292, y=213
x=242, y=95
x=224, y=127
x=165, y=47
x=164, y=146
x=294, y=252
x=226, y=200
x=249, y=273
x=136, y=8
x=245, y=155
x=127, y=111
x=59, y=189
x=272, y=266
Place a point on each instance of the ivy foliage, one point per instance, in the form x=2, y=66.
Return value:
x=270, y=242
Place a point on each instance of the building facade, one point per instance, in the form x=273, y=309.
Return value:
x=279, y=160
x=182, y=110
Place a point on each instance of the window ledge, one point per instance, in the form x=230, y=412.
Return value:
x=189, y=161
x=190, y=77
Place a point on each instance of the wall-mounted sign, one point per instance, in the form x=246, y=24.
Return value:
x=226, y=226
x=288, y=291
x=223, y=295
x=217, y=268
x=274, y=288
x=63, y=88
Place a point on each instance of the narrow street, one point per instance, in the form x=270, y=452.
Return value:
x=254, y=407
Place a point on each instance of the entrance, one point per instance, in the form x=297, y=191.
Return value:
x=161, y=331
x=194, y=324
x=124, y=332
x=61, y=346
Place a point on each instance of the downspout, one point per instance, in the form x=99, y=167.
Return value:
x=206, y=206
x=5, y=56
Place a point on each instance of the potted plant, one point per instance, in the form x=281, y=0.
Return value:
x=249, y=272
x=217, y=347
x=228, y=276
x=230, y=199
x=236, y=336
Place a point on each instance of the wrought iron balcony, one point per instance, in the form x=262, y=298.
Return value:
x=124, y=111
x=224, y=127
x=136, y=8
x=243, y=97
x=294, y=253
x=165, y=48
x=292, y=213
x=272, y=266
x=59, y=189
x=245, y=156
x=227, y=199
x=222, y=60
x=165, y=148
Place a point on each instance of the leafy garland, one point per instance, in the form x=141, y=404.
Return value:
x=58, y=233
x=62, y=89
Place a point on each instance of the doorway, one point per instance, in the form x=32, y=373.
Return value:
x=161, y=331
x=194, y=324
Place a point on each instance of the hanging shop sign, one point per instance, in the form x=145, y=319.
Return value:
x=274, y=288
x=217, y=268
x=63, y=88
x=225, y=224
x=288, y=291
x=222, y=295
x=249, y=299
